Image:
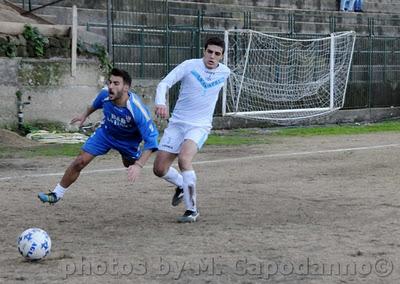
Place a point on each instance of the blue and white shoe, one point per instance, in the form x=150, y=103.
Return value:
x=189, y=217
x=50, y=197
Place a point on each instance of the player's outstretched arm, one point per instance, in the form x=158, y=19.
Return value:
x=82, y=118
x=135, y=169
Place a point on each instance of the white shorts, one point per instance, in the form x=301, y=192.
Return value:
x=176, y=133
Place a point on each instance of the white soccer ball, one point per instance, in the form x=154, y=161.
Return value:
x=34, y=244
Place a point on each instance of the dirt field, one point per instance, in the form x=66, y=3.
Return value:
x=296, y=210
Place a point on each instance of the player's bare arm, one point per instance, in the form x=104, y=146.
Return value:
x=82, y=118
x=135, y=169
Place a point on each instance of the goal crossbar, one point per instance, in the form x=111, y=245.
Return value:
x=273, y=76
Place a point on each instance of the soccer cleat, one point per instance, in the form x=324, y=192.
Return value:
x=178, y=196
x=189, y=216
x=50, y=197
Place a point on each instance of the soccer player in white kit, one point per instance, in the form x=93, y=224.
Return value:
x=188, y=128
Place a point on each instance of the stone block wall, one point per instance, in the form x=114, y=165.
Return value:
x=47, y=85
x=56, y=47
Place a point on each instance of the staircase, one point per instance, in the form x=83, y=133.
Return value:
x=143, y=46
x=146, y=51
x=281, y=16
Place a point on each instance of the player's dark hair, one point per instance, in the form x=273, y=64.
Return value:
x=215, y=41
x=122, y=73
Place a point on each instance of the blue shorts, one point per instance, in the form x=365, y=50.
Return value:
x=100, y=143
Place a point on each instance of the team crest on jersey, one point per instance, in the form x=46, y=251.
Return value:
x=119, y=121
x=207, y=85
x=209, y=75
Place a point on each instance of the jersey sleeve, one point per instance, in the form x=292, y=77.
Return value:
x=171, y=79
x=144, y=123
x=99, y=100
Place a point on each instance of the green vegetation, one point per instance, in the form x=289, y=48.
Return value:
x=51, y=126
x=346, y=129
x=43, y=150
x=100, y=52
x=37, y=74
x=260, y=136
x=217, y=138
x=9, y=49
x=36, y=39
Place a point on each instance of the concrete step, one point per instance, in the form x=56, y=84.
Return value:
x=143, y=71
x=63, y=15
x=261, y=11
x=303, y=22
x=227, y=16
x=382, y=6
x=19, y=12
x=151, y=53
x=315, y=5
x=91, y=4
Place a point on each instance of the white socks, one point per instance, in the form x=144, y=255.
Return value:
x=189, y=190
x=59, y=191
x=187, y=180
x=174, y=177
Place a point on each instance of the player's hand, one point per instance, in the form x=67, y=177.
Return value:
x=161, y=111
x=134, y=172
x=81, y=118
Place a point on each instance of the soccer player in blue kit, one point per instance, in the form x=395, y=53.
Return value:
x=126, y=123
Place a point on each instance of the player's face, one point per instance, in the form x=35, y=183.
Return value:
x=212, y=56
x=116, y=88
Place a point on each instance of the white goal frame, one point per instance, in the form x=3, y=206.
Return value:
x=290, y=115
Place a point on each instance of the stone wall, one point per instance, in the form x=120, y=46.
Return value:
x=49, y=90
x=52, y=93
x=56, y=46
x=47, y=85
x=55, y=96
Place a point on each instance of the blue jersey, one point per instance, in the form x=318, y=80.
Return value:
x=131, y=124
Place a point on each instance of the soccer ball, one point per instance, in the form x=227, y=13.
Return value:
x=34, y=244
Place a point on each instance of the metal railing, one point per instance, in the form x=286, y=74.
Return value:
x=149, y=40
x=149, y=45
x=30, y=9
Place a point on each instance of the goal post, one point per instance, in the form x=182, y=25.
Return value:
x=285, y=80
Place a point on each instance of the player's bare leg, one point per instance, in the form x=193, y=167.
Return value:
x=162, y=168
x=73, y=171
x=70, y=176
x=163, y=162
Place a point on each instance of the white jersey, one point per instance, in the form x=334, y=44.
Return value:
x=198, y=94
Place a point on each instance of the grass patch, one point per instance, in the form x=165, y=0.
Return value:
x=346, y=129
x=51, y=126
x=235, y=137
x=45, y=150
x=247, y=136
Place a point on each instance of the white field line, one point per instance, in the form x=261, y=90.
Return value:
x=247, y=158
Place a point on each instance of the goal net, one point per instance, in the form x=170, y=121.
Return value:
x=285, y=80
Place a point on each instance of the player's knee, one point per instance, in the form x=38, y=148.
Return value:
x=79, y=163
x=184, y=163
x=159, y=170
